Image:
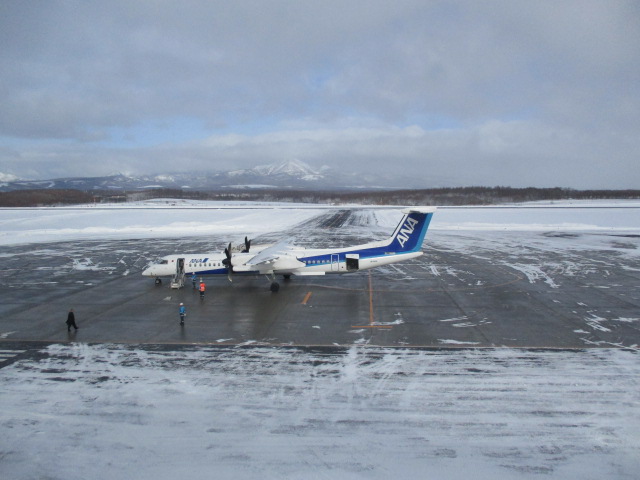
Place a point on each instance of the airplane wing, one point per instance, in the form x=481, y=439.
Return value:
x=275, y=257
x=271, y=253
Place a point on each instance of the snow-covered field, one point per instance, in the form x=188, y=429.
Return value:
x=107, y=411
x=138, y=220
x=166, y=219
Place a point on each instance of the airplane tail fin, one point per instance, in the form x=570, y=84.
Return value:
x=409, y=234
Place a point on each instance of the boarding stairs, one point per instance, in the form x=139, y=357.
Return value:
x=178, y=280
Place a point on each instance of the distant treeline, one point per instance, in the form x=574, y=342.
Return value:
x=431, y=196
x=36, y=198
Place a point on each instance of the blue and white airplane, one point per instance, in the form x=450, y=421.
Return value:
x=285, y=259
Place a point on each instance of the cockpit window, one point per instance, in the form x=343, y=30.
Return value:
x=163, y=262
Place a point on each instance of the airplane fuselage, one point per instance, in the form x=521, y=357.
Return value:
x=314, y=262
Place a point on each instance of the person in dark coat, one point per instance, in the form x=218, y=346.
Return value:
x=71, y=321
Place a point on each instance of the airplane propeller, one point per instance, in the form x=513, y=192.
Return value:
x=227, y=261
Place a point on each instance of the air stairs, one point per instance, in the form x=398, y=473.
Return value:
x=178, y=280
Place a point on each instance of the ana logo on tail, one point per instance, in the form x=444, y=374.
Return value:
x=406, y=230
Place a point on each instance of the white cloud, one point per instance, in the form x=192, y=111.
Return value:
x=454, y=86
x=7, y=177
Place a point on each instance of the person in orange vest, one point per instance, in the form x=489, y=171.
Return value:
x=203, y=287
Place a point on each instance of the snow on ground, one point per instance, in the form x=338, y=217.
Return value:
x=176, y=218
x=569, y=216
x=105, y=411
x=38, y=225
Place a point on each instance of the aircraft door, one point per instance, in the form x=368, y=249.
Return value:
x=180, y=266
x=353, y=262
x=335, y=263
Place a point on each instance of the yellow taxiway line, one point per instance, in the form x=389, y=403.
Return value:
x=306, y=298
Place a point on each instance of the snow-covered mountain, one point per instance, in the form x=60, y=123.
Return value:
x=291, y=174
x=293, y=169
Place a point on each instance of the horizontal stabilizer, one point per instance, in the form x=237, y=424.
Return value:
x=419, y=210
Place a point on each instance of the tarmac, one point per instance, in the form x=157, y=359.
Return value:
x=444, y=299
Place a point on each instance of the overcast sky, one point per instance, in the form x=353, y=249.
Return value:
x=520, y=93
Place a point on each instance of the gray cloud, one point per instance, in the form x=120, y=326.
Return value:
x=500, y=92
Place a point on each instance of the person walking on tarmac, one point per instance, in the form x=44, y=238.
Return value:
x=194, y=280
x=203, y=287
x=71, y=321
x=183, y=313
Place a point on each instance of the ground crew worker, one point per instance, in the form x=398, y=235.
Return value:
x=203, y=287
x=71, y=321
x=194, y=280
x=183, y=313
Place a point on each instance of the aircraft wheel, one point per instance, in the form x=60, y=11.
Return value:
x=287, y=277
x=158, y=281
x=275, y=286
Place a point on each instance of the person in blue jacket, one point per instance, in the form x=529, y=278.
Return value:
x=183, y=313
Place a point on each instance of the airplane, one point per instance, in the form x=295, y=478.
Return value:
x=286, y=259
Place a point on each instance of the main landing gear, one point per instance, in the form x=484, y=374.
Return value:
x=275, y=286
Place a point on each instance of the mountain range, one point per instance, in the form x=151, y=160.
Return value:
x=291, y=174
